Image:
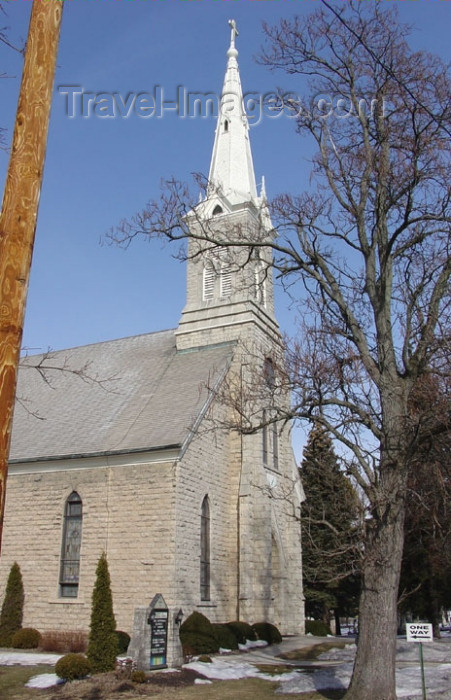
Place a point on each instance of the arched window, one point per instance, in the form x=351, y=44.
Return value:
x=217, y=210
x=70, y=550
x=226, y=125
x=205, y=550
x=269, y=373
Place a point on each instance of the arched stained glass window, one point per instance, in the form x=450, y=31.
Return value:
x=70, y=550
x=205, y=550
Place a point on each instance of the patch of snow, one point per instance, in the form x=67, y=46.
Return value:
x=44, y=680
x=202, y=681
x=23, y=658
x=252, y=644
x=224, y=670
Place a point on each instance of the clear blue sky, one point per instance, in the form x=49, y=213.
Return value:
x=100, y=170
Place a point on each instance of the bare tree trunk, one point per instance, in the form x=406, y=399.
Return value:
x=337, y=623
x=20, y=206
x=374, y=669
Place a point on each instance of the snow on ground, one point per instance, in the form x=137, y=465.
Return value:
x=44, y=680
x=24, y=658
x=437, y=658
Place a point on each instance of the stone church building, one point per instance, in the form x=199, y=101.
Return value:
x=172, y=462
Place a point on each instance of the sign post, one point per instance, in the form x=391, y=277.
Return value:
x=420, y=632
x=158, y=621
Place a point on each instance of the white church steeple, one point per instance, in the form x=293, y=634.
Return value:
x=229, y=287
x=232, y=169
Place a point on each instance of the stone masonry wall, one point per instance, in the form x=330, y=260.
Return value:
x=210, y=468
x=127, y=512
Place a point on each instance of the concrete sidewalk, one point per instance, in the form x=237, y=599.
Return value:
x=271, y=654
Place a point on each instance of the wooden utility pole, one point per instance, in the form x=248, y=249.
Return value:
x=20, y=206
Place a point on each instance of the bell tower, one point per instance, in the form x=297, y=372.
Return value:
x=229, y=273
x=230, y=299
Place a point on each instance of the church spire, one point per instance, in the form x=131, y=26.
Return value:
x=229, y=289
x=231, y=168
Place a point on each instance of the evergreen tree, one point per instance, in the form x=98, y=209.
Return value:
x=425, y=585
x=103, y=640
x=12, y=609
x=330, y=533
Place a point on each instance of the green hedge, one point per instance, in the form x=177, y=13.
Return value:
x=242, y=631
x=317, y=628
x=197, y=635
x=123, y=640
x=267, y=632
x=225, y=636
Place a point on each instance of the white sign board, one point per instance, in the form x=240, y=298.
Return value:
x=419, y=632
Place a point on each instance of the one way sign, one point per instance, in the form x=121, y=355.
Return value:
x=419, y=632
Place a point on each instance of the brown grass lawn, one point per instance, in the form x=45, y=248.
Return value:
x=161, y=687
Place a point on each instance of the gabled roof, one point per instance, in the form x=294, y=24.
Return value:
x=133, y=394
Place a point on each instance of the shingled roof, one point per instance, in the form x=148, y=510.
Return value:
x=124, y=395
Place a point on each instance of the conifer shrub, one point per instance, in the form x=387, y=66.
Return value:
x=139, y=676
x=317, y=628
x=225, y=637
x=26, y=638
x=242, y=631
x=267, y=632
x=103, y=644
x=123, y=640
x=197, y=635
x=12, y=609
x=72, y=667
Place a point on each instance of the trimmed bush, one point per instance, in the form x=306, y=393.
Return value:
x=267, y=632
x=72, y=667
x=205, y=659
x=225, y=637
x=317, y=628
x=26, y=638
x=103, y=641
x=123, y=640
x=12, y=609
x=139, y=677
x=197, y=635
x=242, y=631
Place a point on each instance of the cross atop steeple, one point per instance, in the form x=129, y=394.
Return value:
x=233, y=33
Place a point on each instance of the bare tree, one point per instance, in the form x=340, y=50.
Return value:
x=367, y=254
